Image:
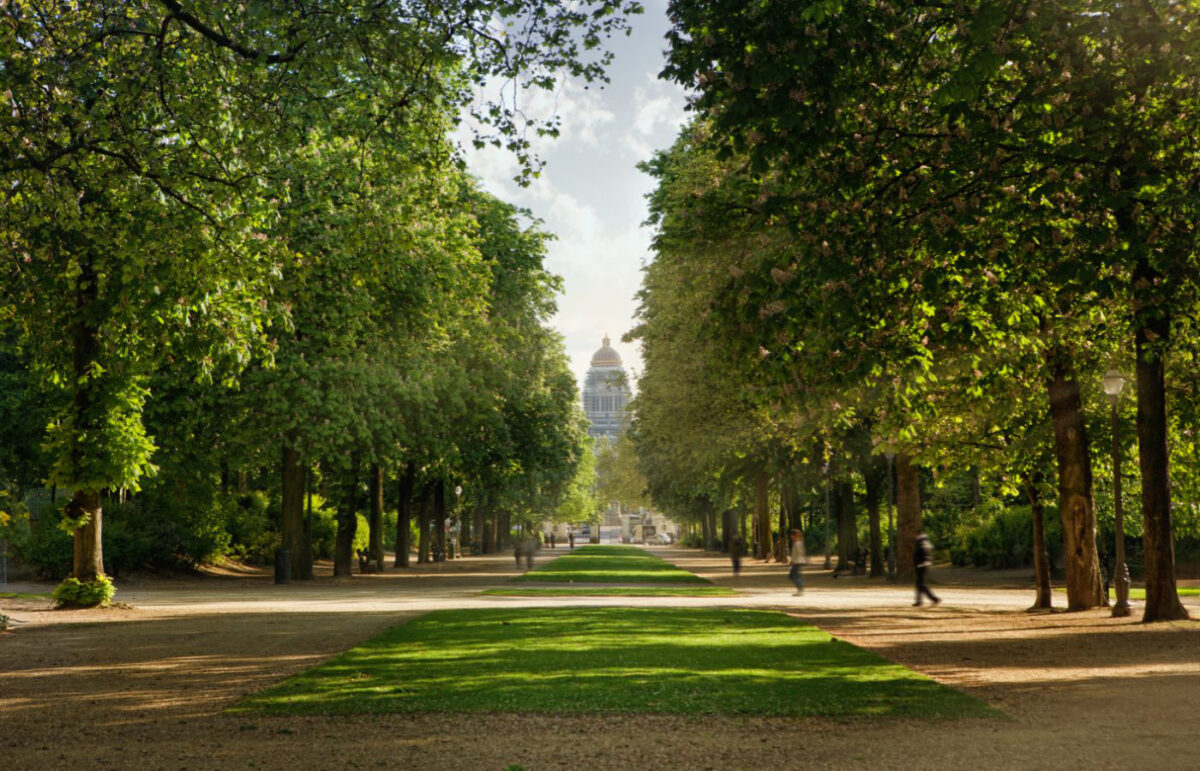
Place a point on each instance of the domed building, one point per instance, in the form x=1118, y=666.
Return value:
x=606, y=392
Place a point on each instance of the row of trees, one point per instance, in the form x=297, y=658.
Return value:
x=926, y=229
x=246, y=226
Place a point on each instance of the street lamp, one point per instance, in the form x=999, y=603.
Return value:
x=828, y=559
x=891, y=549
x=1114, y=382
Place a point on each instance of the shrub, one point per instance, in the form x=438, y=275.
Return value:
x=692, y=541
x=251, y=529
x=1002, y=537
x=85, y=594
x=40, y=543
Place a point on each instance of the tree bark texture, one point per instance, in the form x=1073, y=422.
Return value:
x=1041, y=562
x=908, y=514
x=1152, y=325
x=1075, y=503
x=292, y=512
x=375, y=518
x=477, y=531
x=408, y=483
x=762, y=517
x=306, y=573
x=847, y=524
x=88, y=542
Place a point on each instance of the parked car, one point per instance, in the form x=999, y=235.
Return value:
x=662, y=539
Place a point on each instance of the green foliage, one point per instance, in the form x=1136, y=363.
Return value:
x=997, y=536
x=250, y=521
x=39, y=542
x=85, y=594
x=638, y=660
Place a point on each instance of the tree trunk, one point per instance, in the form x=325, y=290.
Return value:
x=85, y=505
x=763, y=517
x=477, y=532
x=710, y=516
x=847, y=525
x=908, y=514
x=439, y=518
x=375, y=514
x=505, y=532
x=347, y=524
x=1152, y=326
x=1075, y=504
x=874, y=469
x=89, y=549
x=781, y=543
x=306, y=567
x=424, y=508
x=1041, y=563
x=408, y=483
x=292, y=511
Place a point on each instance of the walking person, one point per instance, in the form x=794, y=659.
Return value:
x=796, y=573
x=922, y=560
x=571, y=539
x=737, y=549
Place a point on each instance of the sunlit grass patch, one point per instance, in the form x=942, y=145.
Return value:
x=599, y=590
x=630, y=660
x=612, y=565
x=1139, y=593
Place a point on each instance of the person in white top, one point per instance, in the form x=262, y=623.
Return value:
x=798, y=559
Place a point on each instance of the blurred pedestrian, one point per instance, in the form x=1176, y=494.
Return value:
x=737, y=550
x=922, y=561
x=796, y=573
x=571, y=539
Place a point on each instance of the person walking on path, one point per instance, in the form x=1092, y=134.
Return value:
x=571, y=539
x=737, y=549
x=796, y=573
x=922, y=560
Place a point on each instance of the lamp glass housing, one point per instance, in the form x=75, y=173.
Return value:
x=1113, y=383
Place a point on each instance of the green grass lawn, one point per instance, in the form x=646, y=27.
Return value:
x=611, y=565
x=24, y=596
x=622, y=660
x=1139, y=593
x=614, y=591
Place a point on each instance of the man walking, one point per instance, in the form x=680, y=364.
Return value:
x=796, y=573
x=922, y=560
x=737, y=549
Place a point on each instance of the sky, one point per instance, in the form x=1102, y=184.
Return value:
x=591, y=195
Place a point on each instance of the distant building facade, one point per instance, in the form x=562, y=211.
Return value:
x=606, y=392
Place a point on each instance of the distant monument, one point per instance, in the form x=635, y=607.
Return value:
x=606, y=392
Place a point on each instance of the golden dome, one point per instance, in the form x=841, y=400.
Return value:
x=606, y=356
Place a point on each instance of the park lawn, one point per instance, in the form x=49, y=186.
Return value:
x=614, y=591
x=611, y=565
x=1139, y=592
x=694, y=661
x=25, y=595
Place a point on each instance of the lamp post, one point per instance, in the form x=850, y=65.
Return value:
x=828, y=559
x=891, y=549
x=1114, y=382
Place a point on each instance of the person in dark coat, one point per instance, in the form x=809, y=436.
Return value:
x=737, y=549
x=922, y=560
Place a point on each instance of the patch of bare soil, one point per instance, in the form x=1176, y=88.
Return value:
x=145, y=686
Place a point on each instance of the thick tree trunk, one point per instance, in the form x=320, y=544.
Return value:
x=89, y=550
x=375, y=518
x=504, y=535
x=782, y=542
x=347, y=524
x=439, y=519
x=292, y=511
x=1075, y=504
x=763, y=517
x=908, y=514
x=710, y=516
x=424, y=510
x=873, y=473
x=85, y=506
x=1152, y=325
x=847, y=525
x=408, y=482
x=1041, y=563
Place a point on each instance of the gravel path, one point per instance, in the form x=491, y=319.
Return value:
x=143, y=685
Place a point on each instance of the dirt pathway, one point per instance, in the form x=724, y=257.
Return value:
x=144, y=685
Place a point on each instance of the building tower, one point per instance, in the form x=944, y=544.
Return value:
x=606, y=392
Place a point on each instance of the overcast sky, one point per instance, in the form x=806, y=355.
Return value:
x=591, y=195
